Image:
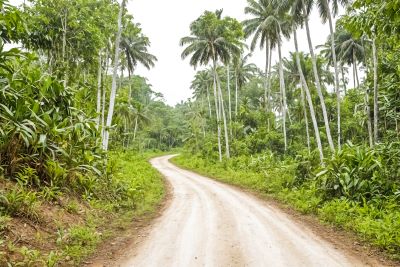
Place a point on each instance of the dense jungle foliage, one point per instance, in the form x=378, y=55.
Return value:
x=62, y=63
x=317, y=129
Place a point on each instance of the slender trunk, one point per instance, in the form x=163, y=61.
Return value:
x=376, y=107
x=98, y=108
x=228, y=75
x=221, y=99
x=335, y=64
x=114, y=79
x=354, y=76
x=135, y=129
x=236, y=95
x=266, y=100
x=303, y=103
x=344, y=82
x=369, y=122
x=309, y=99
x=209, y=102
x=269, y=86
x=355, y=69
x=229, y=98
x=318, y=85
x=367, y=104
x=64, y=44
x=217, y=110
x=283, y=92
x=104, y=88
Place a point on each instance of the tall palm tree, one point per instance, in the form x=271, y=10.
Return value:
x=114, y=77
x=244, y=71
x=269, y=25
x=327, y=14
x=302, y=9
x=259, y=26
x=207, y=44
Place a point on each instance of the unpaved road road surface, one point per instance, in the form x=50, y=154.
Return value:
x=212, y=224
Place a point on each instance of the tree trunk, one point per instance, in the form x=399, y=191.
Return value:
x=283, y=93
x=355, y=69
x=376, y=106
x=136, y=127
x=104, y=88
x=229, y=98
x=303, y=103
x=344, y=82
x=228, y=75
x=309, y=99
x=227, y=149
x=318, y=85
x=335, y=64
x=236, y=95
x=98, y=108
x=209, y=102
x=64, y=44
x=217, y=110
x=114, y=79
x=266, y=100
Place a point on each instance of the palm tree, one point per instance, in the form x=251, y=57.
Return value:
x=135, y=47
x=302, y=9
x=292, y=75
x=259, y=26
x=201, y=85
x=326, y=14
x=243, y=73
x=269, y=25
x=140, y=113
x=206, y=44
x=114, y=77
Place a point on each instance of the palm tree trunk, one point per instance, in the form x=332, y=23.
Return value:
x=283, y=92
x=64, y=43
x=354, y=76
x=98, y=108
x=344, y=81
x=236, y=95
x=355, y=69
x=335, y=64
x=229, y=98
x=227, y=149
x=103, y=108
x=318, y=85
x=303, y=103
x=209, y=102
x=309, y=99
x=228, y=75
x=216, y=110
x=135, y=129
x=266, y=100
x=376, y=107
x=114, y=79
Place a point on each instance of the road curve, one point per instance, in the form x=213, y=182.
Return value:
x=212, y=224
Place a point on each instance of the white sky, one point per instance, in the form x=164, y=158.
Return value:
x=165, y=22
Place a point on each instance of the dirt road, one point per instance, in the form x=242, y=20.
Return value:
x=211, y=224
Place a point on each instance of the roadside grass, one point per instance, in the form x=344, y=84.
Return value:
x=64, y=225
x=377, y=223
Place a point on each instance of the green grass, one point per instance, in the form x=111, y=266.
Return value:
x=376, y=223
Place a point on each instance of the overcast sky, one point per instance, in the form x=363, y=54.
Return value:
x=165, y=22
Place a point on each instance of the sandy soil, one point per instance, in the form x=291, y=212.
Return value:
x=208, y=223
